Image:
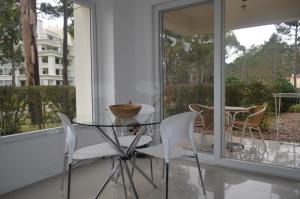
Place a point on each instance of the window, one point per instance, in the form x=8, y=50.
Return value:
x=260, y=64
x=1, y=71
x=57, y=60
x=188, y=65
x=45, y=71
x=22, y=71
x=45, y=82
x=44, y=59
x=50, y=37
x=80, y=88
x=7, y=71
x=7, y=82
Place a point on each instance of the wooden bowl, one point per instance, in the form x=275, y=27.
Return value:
x=125, y=110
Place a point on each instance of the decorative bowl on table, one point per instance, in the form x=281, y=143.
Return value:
x=125, y=110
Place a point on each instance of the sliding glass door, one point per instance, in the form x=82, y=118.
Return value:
x=188, y=72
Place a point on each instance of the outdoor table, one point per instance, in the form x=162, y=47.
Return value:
x=277, y=99
x=106, y=123
x=234, y=110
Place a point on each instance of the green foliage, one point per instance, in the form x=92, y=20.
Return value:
x=295, y=108
x=12, y=109
x=14, y=104
x=237, y=93
x=10, y=34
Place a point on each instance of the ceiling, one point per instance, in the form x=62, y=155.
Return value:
x=199, y=18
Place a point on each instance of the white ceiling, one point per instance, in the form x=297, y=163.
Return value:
x=199, y=18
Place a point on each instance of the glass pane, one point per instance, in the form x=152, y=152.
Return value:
x=262, y=74
x=188, y=44
x=61, y=87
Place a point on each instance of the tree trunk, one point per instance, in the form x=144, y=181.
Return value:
x=295, y=56
x=65, y=43
x=28, y=23
x=13, y=67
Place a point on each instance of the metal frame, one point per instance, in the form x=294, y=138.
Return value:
x=125, y=155
x=219, y=98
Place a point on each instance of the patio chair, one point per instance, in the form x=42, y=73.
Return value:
x=174, y=130
x=252, y=122
x=85, y=153
x=198, y=121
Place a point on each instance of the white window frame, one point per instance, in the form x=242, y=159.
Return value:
x=219, y=98
x=95, y=64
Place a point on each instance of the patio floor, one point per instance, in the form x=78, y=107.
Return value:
x=184, y=183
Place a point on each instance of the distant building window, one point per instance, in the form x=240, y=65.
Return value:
x=52, y=48
x=58, y=82
x=23, y=82
x=50, y=37
x=22, y=71
x=1, y=71
x=45, y=59
x=45, y=82
x=45, y=71
x=43, y=48
x=7, y=82
x=7, y=72
x=57, y=60
x=57, y=72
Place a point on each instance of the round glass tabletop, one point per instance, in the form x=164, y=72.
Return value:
x=107, y=119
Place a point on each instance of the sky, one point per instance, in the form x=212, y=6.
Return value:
x=255, y=35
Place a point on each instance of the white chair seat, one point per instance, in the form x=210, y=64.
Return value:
x=125, y=141
x=95, y=151
x=158, y=151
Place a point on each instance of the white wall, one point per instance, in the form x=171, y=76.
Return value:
x=30, y=157
x=133, y=51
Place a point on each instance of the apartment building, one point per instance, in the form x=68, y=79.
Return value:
x=50, y=52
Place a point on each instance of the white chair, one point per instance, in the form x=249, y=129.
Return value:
x=173, y=130
x=89, y=152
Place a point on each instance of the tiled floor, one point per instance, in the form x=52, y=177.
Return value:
x=184, y=184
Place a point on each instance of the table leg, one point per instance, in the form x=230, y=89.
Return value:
x=142, y=173
x=130, y=180
x=108, y=179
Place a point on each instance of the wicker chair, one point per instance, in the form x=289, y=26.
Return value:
x=252, y=123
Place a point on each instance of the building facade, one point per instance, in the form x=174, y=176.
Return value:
x=50, y=52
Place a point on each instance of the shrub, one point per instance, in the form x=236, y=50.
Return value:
x=15, y=101
x=12, y=109
x=295, y=108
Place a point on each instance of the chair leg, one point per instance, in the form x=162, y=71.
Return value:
x=262, y=137
x=243, y=133
x=163, y=169
x=69, y=180
x=200, y=175
x=167, y=180
x=132, y=170
x=151, y=168
x=63, y=173
x=252, y=136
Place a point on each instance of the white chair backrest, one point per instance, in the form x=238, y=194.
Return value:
x=70, y=136
x=177, y=128
x=146, y=108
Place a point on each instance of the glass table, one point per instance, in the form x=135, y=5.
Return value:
x=106, y=120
